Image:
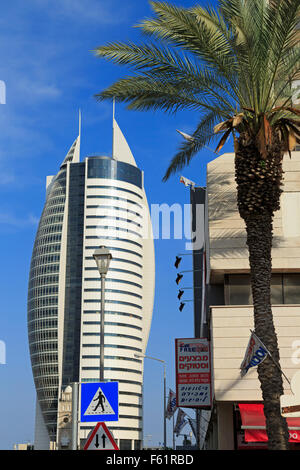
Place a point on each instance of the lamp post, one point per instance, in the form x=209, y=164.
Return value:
x=164, y=365
x=102, y=256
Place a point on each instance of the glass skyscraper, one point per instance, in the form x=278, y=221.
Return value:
x=97, y=202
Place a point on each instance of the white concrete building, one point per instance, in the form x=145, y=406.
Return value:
x=236, y=420
x=99, y=201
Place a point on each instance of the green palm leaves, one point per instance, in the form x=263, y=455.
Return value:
x=235, y=64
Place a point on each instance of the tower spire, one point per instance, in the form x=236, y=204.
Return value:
x=113, y=128
x=79, y=123
x=77, y=151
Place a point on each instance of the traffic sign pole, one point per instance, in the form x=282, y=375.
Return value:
x=75, y=402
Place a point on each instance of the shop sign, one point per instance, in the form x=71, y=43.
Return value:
x=290, y=404
x=193, y=373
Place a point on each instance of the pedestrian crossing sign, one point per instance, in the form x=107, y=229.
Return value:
x=99, y=401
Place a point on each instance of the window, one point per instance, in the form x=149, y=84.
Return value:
x=93, y=237
x=291, y=288
x=137, y=445
x=116, y=346
x=114, y=187
x=237, y=289
x=115, y=291
x=122, y=281
x=125, y=444
x=121, y=260
x=104, y=167
x=114, y=248
x=119, y=302
x=285, y=289
x=276, y=289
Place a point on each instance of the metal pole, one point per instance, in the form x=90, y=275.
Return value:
x=164, y=392
x=75, y=386
x=102, y=328
x=165, y=422
x=198, y=438
x=173, y=425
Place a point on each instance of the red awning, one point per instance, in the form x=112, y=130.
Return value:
x=254, y=423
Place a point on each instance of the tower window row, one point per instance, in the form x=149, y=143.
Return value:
x=110, y=312
x=127, y=325
x=119, y=302
x=114, y=187
x=113, y=248
x=115, y=291
x=126, y=271
x=115, y=198
x=118, y=335
x=121, y=260
x=126, y=240
x=113, y=228
x=114, y=346
x=122, y=281
x=115, y=208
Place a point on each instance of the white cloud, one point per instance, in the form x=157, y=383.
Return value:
x=35, y=90
x=10, y=220
x=89, y=11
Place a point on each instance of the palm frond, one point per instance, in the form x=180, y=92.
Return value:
x=279, y=36
x=181, y=27
x=233, y=64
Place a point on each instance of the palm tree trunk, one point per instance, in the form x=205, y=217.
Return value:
x=259, y=240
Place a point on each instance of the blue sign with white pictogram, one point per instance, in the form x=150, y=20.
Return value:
x=99, y=401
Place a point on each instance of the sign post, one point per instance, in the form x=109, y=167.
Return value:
x=193, y=373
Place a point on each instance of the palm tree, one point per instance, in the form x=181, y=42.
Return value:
x=234, y=66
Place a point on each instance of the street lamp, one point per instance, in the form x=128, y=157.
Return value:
x=164, y=365
x=102, y=256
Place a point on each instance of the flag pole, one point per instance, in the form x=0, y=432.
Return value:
x=276, y=364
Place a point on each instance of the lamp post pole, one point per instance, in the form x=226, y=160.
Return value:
x=102, y=256
x=165, y=421
x=165, y=417
x=102, y=327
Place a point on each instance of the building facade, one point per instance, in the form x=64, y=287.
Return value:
x=96, y=202
x=236, y=420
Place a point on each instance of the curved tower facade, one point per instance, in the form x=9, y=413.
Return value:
x=98, y=202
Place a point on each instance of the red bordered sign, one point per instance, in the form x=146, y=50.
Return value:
x=100, y=439
x=193, y=373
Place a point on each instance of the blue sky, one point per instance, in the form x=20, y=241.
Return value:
x=50, y=72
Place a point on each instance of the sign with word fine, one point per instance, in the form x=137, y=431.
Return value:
x=193, y=373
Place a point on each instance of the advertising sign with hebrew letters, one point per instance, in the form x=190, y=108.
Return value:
x=193, y=373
